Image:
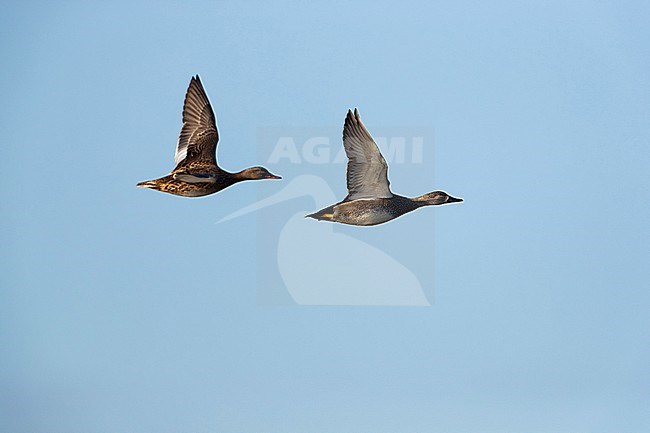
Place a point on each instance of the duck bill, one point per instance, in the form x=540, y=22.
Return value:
x=454, y=199
x=272, y=176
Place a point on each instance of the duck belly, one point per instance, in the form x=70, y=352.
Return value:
x=192, y=193
x=184, y=189
x=362, y=214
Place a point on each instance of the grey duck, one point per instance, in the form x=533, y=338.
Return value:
x=370, y=200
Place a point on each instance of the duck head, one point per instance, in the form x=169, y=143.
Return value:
x=255, y=173
x=436, y=198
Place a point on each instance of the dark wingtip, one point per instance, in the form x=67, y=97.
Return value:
x=196, y=80
x=353, y=115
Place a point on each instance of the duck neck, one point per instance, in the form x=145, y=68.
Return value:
x=241, y=175
x=421, y=201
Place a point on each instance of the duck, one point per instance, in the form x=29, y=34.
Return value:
x=370, y=201
x=197, y=173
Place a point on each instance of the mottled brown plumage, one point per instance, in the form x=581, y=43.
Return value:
x=197, y=172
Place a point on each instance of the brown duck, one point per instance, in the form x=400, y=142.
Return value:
x=197, y=173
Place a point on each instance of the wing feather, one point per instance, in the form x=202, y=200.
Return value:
x=367, y=175
x=199, y=135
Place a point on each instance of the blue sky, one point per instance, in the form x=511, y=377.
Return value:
x=125, y=309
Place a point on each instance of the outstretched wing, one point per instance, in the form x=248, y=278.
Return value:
x=199, y=135
x=367, y=169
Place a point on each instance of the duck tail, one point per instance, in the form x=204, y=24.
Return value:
x=322, y=215
x=147, y=184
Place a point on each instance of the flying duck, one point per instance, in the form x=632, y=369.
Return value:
x=197, y=173
x=370, y=200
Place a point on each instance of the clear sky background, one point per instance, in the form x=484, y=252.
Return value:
x=127, y=310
